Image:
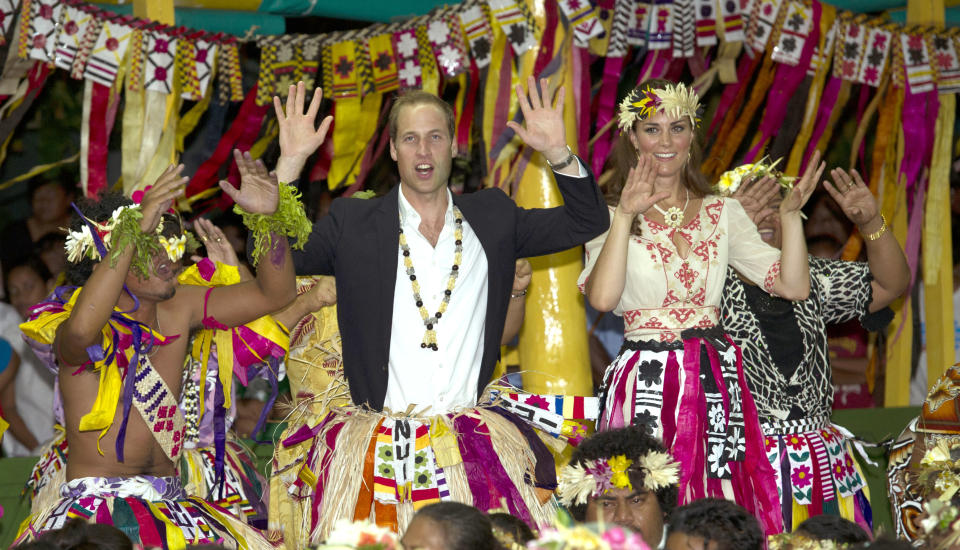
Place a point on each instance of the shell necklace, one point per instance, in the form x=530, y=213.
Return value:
x=673, y=216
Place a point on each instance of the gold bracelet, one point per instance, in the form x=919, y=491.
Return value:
x=879, y=232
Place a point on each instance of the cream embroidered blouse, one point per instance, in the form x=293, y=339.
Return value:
x=666, y=293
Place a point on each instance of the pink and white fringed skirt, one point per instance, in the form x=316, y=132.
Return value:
x=692, y=394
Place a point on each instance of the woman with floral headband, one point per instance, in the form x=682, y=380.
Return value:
x=785, y=349
x=661, y=266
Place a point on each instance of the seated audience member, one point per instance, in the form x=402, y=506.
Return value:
x=50, y=211
x=50, y=249
x=625, y=477
x=834, y=528
x=713, y=524
x=77, y=534
x=450, y=526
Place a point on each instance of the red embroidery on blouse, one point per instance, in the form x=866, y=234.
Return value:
x=670, y=298
x=700, y=297
x=713, y=210
x=686, y=275
x=772, y=274
x=681, y=314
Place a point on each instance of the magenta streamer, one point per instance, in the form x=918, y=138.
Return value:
x=828, y=100
x=612, y=68
x=688, y=437
x=671, y=392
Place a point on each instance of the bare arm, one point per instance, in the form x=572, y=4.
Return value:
x=102, y=290
x=299, y=136
x=517, y=307
x=793, y=282
x=888, y=265
x=609, y=275
x=8, y=402
x=323, y=294
x=275, y=284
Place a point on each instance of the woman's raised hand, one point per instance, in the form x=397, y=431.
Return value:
x=638, y=193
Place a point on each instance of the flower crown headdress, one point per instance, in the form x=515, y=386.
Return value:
x=593, y=478
x=674, y=99
x=731, y=180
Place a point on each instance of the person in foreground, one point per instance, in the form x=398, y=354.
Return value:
x=623, y=477
x=661, y=267
x=423, y=281
x=121, y=335
x=786, y=358
x=713, y=524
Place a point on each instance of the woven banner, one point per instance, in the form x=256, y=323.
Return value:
x=383, y=64
x=877, y=53
x=684, y=28
x=8, y=14
x=72, y=29
x=622, y=13
x=732, y=21
x=447, y=43
x=408, y=58
x=186, y=69
x=916, y=62
x=945, y=62
x=229, y=79
x=159, y=68
x=44, y=19
x=583, y=20
x=849, y=51
x=660, y=31
x=639, y=23
x=706, y=22
x=513, y=24
x=344, y=70
x=764, y=18
x=476, y=28
x=793, y=34
x=821, y=56
x=204, y=52
x=104, y=61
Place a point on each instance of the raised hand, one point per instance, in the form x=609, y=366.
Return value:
x=756, y=197
x=218, y=247
x=803, y=187
x=159, y=197
x=638, y=194
x=258, y=193
x=853, y=196
x=544, y=129
x=299, y=136
x=522, y=275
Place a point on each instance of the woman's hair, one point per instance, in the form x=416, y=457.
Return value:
x=464, y=527
x=624, y=157
x=513, y=527
x=835, y=528
x=77, y=534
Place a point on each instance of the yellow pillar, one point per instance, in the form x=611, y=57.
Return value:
x=154, y=10
x=553, y=341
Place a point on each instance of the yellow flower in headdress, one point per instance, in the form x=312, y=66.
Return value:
x=674, y=99
x=174, y=246
x=619, y=478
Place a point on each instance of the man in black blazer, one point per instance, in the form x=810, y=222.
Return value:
x=359, y=240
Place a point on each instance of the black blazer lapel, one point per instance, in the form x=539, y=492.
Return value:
x=386, y=224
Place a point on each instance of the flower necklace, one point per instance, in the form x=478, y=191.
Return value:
x=430, y=336
x=673, y=216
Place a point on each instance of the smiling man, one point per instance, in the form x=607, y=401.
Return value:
x=625, y=477
x=424, y=281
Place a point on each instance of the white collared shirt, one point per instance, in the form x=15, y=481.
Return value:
x=445, y=379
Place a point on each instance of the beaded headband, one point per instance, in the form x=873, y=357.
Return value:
x=593, y=478
x=674, y=99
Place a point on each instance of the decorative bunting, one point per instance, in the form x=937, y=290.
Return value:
x=821, y=56
x=138, y=57
x=639, y=23
x=186, y=68
x=623, y=11
x=344, y=70
x=583, y=20
x=850, y=50
x=310, y=51
x=764, y=18
x=383, y=64
x=107, y=54
x=45, y=14
x=875, y=61
x=476, y=27
x=265, y=80
x=732, y=21
x=72, y=29
x=87, y=42
x=161, y=50
x=513, y=24
x=706, y=23
x=794, y=33
x=684, y=28
x=284, y=66
x=229, y=81
x=945, y=63
x=408, y=58
x=916, y=62
x=364, y=68
x=204, y=52
x=447, y=44
x=660, y=31
x=8, y=13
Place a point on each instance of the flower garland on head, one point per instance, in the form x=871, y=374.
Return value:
x=797, y=541
x=593, y=478
x=731, y=180
x=673, y=99
x=361, y=535
x=95, y=239
x=588, y=537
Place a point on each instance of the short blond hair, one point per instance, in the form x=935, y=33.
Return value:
x=412, y=99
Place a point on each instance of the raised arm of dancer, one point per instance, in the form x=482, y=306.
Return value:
x=608, y=278
x=793, y=281
x=322, y=294
x=102, y=290
x=888, y=265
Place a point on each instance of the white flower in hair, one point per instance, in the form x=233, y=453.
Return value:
x=78, y=243
x=660, y=470
x=174, y=246
x=575, y=485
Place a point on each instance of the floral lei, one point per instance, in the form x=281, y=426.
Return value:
x=673, y=99
x=593, y=478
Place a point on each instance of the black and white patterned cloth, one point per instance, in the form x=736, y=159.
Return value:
x=795, y=386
